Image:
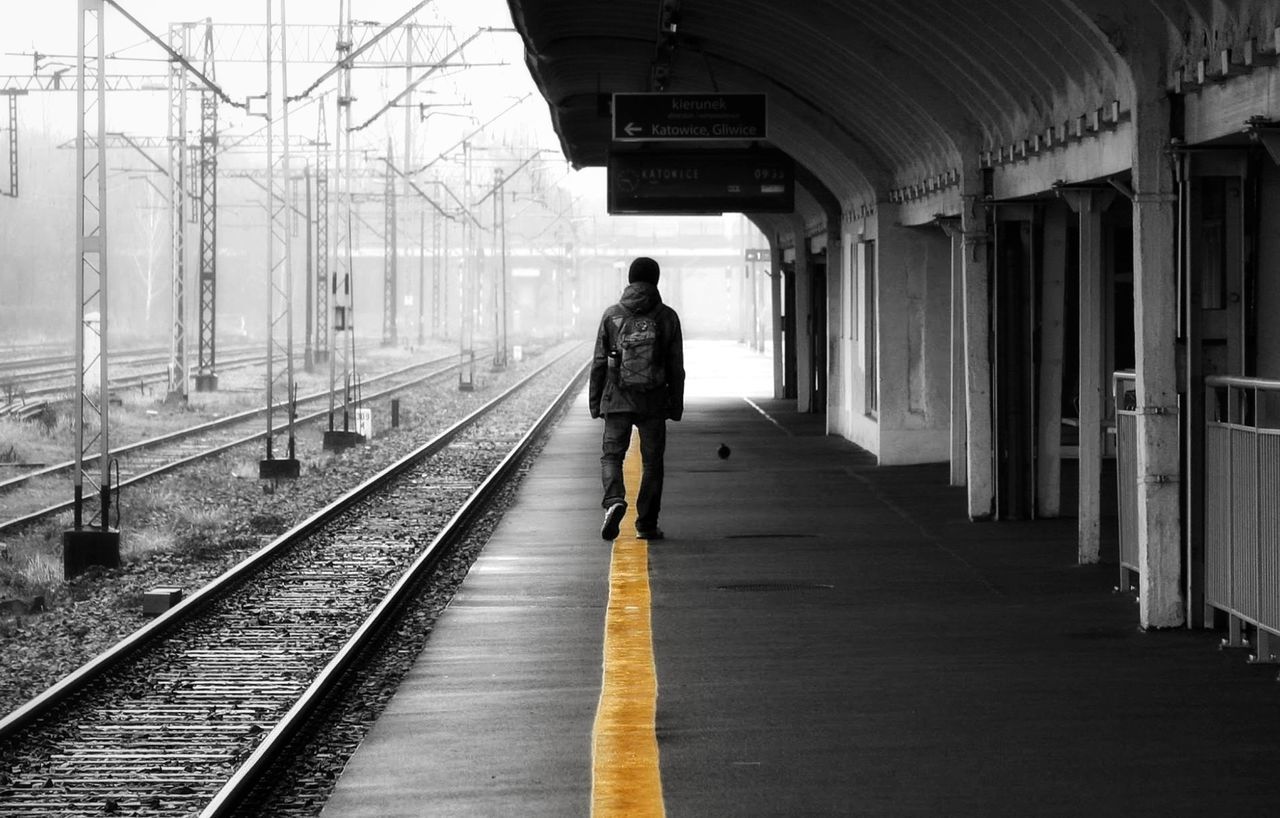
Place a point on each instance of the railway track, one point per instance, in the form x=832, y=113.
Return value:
x=21, y=496
x=54, y=375
x=184, y=716
x=31, y=380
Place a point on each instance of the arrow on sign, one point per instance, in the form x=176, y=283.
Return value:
x=632, y=129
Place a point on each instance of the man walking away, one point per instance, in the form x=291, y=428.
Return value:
x=637, y=379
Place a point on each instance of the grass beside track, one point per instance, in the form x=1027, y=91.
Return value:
x=31, y=562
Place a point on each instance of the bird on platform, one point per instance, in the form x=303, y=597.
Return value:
x=723, y=451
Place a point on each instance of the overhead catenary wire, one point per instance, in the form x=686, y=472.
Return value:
x=174, y=55
x=464, y=139
x=349, y=60
x=413, y=85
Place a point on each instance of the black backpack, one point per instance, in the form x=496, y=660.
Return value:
x=638, y=347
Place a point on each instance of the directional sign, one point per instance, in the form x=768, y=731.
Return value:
x=701, y=181
x=668, y=117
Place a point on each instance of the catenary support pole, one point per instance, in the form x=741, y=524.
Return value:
x=323, y=318
x=84, y=545
x=390, y=268
x=206, y=379
x=179, y=41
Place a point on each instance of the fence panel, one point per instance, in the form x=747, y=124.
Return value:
x=1242, y=500
x=1244, y=523
x=1217, y=517
x=1269, y=530
x=1123, y=385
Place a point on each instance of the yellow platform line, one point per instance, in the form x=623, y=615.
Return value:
x=625, y=779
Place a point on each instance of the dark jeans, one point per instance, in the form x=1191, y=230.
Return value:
x=653, y=442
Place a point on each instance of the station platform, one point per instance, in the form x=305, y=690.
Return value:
x=829, y=638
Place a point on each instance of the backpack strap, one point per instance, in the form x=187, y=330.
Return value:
x=618, y=321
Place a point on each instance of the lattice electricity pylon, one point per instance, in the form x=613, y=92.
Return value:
x=86, y=545
x=409, y=38
x=206, y=379
x=468, y=285
x=389, y=267
x=279, y=273
x=500, y=278
x=439, y=304
x=192, y=179
x=179, y=42
x=308, y=270
x=10, y=132
x=413, y=192
x=342, y=359
x=422, y=276
x=322, y=320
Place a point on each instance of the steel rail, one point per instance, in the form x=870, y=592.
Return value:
x=243, y=417
x=59, y=360
x=235, y=577
x=118, y=381
x=238, y=358
x=248, y=414
x=386, y=612
x=131, y=357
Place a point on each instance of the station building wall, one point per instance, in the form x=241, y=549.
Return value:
x=890, y=339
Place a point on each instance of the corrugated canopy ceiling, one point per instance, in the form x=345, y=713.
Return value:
x=864, y=94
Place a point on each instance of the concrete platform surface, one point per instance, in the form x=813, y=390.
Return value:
x=830, y=638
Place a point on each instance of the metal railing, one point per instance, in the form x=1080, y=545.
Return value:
x=1242, y=503
x=1124, y=386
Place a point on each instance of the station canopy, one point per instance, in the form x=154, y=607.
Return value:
x=864, y=95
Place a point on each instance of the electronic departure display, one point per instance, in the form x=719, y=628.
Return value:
x=750, y=180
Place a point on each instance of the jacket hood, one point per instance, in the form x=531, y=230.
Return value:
x=640, y=297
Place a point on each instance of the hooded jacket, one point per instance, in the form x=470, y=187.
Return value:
x=606, y=397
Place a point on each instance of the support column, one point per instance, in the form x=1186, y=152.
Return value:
x=839, y=369
x=776, y=296
x=803, y=319
x=1155, y=328
x=894, y=343
x=980, y=476
x=958, y=438
x=1052, y=309
x=1089, y=206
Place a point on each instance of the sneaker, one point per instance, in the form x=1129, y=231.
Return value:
x=652, y=534
x=612, y=519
